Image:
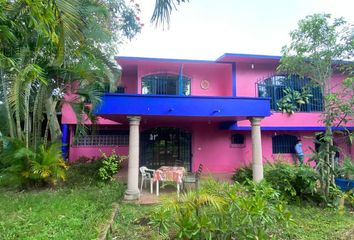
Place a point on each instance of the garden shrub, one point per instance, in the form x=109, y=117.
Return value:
x=24, y=167
x=110, y=165
x=83, y=173
x=242, y=174
x=224, y=211
x=293, y=182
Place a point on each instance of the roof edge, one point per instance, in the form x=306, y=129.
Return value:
x=219, y=59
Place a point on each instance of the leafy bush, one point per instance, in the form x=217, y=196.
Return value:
x=242, y=174
x=293, y=182
x=347, y=169
x=23, y=166
x=224, y=211
x=110, y=165
x=83, y=174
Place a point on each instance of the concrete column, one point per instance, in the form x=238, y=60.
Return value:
x=257, y=164
x=133, y=192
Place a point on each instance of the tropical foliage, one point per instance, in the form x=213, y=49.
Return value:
x=315, y=49
x=48, y=48
x=293, y=182
x=163, y=9
x=293, y=100
x=48, y=45
x=22, y=166
x=110, y=165
x=224, y=211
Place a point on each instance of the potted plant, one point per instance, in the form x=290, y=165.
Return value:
x=345, y=173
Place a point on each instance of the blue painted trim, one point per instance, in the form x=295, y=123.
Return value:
x=64, y=141
x=180, y=81
x=218, y=60
x=233, y=126
x=234, y=79
x=176, y=96
x=164, y=59
x=183, y=106
x=247, y=56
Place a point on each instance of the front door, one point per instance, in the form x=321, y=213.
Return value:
x=165, y=147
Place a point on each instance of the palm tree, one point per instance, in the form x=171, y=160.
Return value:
x=58, y=42
x=163, y=10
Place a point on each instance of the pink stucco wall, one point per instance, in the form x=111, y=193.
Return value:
x=247, y=77
x=218, y=75
x=95, y=151
x=212, y=147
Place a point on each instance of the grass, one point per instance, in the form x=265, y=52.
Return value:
x=76, y=210
x=132, y=223
x=310, y=223
x=320, y=223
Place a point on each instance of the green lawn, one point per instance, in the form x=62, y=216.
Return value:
x=79, y=209
x=310, y=223
x=132, y=223
x=320, y=223
x=74, y=211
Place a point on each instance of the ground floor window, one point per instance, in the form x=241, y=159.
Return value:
x=103, y=137
x=238, y=139
x=284, y=143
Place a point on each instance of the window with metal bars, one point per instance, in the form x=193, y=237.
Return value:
x=284, y=143
x=165, y=84
x=274, y=87
x=237, y=139
x=102, y=140
x=103, y=137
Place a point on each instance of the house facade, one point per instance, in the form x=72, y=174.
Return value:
x=222, y=114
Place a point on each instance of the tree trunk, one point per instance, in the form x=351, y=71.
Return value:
x=27, y=114
x=54, y=126
x=7, y=108
x=37, y=117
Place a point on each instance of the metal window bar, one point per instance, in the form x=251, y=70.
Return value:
x=283, y=143
x=102, y=140
x=274, y=86
x=237, y=139
x=164, y=84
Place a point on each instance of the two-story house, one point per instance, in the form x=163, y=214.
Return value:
x=219, y=113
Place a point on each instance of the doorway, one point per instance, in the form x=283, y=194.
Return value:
x=166, y=147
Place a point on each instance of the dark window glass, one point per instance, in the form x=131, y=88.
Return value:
x=120, y=89
x=274, y=86
x=237, y=139
x=284, y=143
x=165, y=84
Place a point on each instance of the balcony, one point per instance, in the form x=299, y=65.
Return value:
x=225, y=108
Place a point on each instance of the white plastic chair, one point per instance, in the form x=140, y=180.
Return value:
x=147, y=174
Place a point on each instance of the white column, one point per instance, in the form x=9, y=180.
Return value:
x=133, y=192
x=257, y=164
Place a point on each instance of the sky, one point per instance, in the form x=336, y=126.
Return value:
x=206, y=29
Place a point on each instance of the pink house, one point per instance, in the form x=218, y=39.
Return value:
x=220, y=113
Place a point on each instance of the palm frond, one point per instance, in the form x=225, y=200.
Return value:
x=163, y=10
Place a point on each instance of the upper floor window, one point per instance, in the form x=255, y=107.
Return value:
x=284, y=143
x=276, y=88
x=166, y=84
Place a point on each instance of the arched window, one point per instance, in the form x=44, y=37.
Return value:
x=274, y=87
x=284, y=143
x=166, y=84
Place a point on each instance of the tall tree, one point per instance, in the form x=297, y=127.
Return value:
x=46, y=45
x=317, y=49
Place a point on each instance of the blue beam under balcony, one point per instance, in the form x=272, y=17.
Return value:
x=183, y=106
